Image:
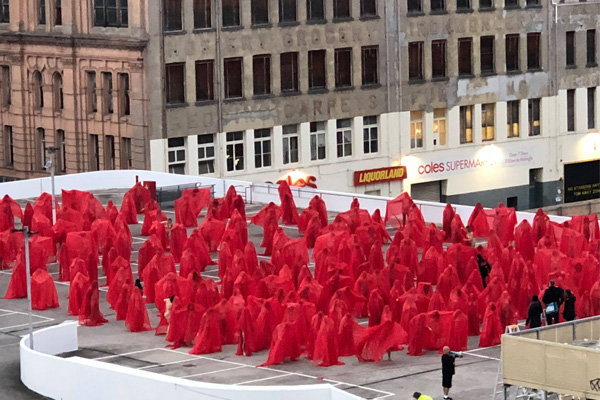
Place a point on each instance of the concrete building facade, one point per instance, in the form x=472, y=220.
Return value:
x=72, y=77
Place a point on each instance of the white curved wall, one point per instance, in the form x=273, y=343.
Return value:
x=77, y=378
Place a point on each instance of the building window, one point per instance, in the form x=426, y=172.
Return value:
x=38, y=90
x=5, y=86
x=315, y=10
x=202, y=14
x=57, y=89
x=57, y=12
x=533, y=109
x=109, y=152
x=486, y=4
x=344, y=137
x=4, y=11
x=439, y=127
x=288, y=64
x=111, y=13
x=571, y=110
x=107, y=93
x=205, y=80
x=343, y=68
x=370, y=135
x=291, y=144
x=488, y=122
x=368, y=8
x=61, y=144
x=511, y=3
x=261, y=69
x=126, y=155
x=370, y=65
x=341, y=9
x=173, y=16
x=176, y=155
x=512, y=53
x=466, y=124
x=42, y=12
x=124, y=95
x=415, y=60
x=570, y=43
x=416, y=129
x=438, y=6
x=91, y=91
x=591, y=107
x=463, y=5
x=591, y=48
x=235, y=151
x=486, y=48
x=533, y=51
x=206, y=154
x=94, y=151
x=175, y=83
x=533, y=3
x=231, y=12
x=316, y=69
x=9, y=150
x=233, y=78
x=287, y=10
x=438, y=59
x=260, y=12
x=317, y=141
x=465, y=47
x=415, y=6
x=41, y=141
x=512, y=118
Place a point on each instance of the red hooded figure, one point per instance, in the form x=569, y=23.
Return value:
x=89, y=314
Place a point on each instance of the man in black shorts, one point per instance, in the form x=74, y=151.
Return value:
x=447, y=371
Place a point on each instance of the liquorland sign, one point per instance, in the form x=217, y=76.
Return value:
x=379, y=175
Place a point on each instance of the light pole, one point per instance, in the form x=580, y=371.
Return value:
x=50, y=164
x=26, y=234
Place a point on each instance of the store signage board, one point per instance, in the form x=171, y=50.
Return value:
x=379, y=175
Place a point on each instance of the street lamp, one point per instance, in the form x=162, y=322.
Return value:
x=50, y=164
x=27, y=234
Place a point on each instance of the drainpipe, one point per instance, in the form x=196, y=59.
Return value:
x=219, y=137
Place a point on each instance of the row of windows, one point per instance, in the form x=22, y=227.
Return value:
x=45, y=144
x=107, y=92
x=438, y=131
x=415, y=7
x=465, y=56
x=591, y=109
x=287, y=12
x=570, y=48
x=262, y=140
x=261, y=72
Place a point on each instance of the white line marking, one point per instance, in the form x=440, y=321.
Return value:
x=126, y=354
x=23, y=313
x=10, y=344
x=264, y=379
x=359, y=386
x=18, y=326
x=213, y=372
x=10, y=313
x=169, y=363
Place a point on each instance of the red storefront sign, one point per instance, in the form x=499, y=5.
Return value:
x=379, y=175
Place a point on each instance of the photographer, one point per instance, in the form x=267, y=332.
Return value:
x=448, y=370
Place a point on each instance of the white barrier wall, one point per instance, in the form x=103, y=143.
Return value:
x=77, y=378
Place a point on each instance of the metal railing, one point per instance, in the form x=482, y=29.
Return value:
x=166, y=195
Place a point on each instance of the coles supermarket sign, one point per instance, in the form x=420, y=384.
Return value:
x=508, y=159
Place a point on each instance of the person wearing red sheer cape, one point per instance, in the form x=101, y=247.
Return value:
x=285, y=344
x=43, y=291
x=9, y=210
x=416, y=335
x=137, y=319
x=89, y=313
x=122, y=304
x=247, y=334
x=491, y=329
x=17, y=288
x=383, y=338
x=208, y=339
x=77, y=290
x=289, y=213
x=326, y=351
x=459, y=336
x=349, y=335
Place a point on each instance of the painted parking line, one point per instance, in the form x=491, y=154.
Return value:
x=10, y=313
x=20, y=325
x=24, y=313
x=126, y=354
x=264, y=379
x=164, y=364
x=214, y=372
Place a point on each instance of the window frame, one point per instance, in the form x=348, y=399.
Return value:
x=310, y=17
x=414, y=7
x=534, y=110
x=436, y=127
x=590, y=36
x=462, y=63
x=126, y=156
x=534, y=58
x=208, y=78
x=57, y=92
x=61, y=144
x=92, y=91
x=486, y=55
x=371, y=134
x=121, y=14
x=342, y=10
x=318, y=136
x=202, y=20
x=571, y=110
x=463, y=6
x=205, y=147
x=263, y=148
x=288, y=11
x=234, y=144
x=570, y=54
x=42, y=15
x=5, y=86
x=513, y=63
x=344, y=139
x=312, y=67
x=94, y=150
x=9, y=149
x=293, y=73
x=110, y=161
x=234, y=19
x=4, y=11
x=439, y=8
x=172, y=97
x=173, y=16
x=370, y=72
x=124, y=94
x=261, y=74
x=57, y=12
x=259, y=8
x=239, y=80
x=176, y=149
x=438, y=59
x=108, y=106
x=591, y=111
x=417, y=118
x=343, y=68
x=415, y=61
x=465, y=114
x=488, y=112
x=368, y=9
x=513, y=113
x=290, y=144
x=38, y=89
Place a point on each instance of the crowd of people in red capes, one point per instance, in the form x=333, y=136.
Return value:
x=424, y=292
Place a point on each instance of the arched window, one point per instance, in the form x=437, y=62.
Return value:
x=57, y=87
x=38, y=90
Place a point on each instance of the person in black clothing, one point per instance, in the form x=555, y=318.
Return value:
x=484, y=269
x=138, y=284
x=447, y=370
x=534, y=313
x=569, y=310
x=553, y=295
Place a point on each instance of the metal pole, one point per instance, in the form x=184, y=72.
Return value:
x=53, y=193
x=28, y=273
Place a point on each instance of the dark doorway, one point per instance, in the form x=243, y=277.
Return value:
x=512, y=202
x=536, y=196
